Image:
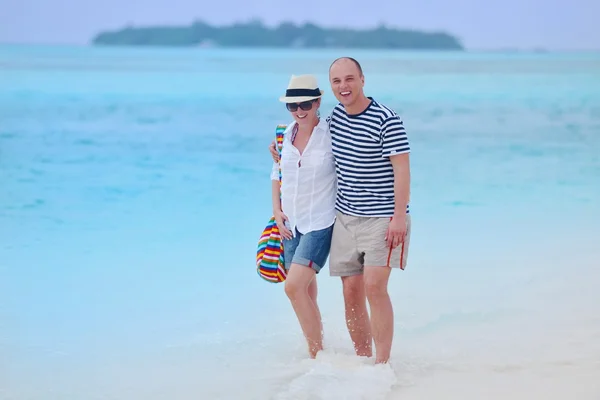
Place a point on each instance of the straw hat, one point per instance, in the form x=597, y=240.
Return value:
x=301, y=88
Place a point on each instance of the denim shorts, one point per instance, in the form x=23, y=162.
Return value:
x=310, y=249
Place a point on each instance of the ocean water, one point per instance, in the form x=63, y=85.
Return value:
x=134, y=184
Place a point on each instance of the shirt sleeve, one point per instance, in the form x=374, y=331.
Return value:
x=393, y=137
x=275, y=172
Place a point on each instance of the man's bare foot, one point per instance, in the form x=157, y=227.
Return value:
x=363, y=349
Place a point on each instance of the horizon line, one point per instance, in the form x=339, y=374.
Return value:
x=532, y=49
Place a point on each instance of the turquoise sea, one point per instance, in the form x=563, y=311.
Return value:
x=134, y=184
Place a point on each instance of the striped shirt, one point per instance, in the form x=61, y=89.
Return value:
x=362, y=144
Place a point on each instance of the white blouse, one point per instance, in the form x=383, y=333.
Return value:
x=308, y=181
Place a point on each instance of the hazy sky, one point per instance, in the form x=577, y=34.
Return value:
x=553, y=24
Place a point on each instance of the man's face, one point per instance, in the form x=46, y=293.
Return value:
x=346, y=82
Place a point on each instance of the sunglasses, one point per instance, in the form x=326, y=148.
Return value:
x=304, y=106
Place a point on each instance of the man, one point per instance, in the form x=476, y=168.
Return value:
x=372, y=229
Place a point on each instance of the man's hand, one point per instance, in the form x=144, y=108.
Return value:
x=273, y=151
x=396, y=231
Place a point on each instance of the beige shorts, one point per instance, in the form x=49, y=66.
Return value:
x=360, y=241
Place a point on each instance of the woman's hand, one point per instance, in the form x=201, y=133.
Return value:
x=280, y=218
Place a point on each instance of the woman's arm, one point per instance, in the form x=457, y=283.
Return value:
x=275, y=196
x=280, y=217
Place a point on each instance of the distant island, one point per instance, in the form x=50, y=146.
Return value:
x=286, y=35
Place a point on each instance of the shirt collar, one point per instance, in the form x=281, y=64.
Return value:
x=322, y=125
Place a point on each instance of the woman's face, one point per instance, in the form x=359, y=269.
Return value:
x=304, y=112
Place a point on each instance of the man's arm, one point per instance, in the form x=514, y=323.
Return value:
x=395, y=146
x=401, y=165
x=273, y=151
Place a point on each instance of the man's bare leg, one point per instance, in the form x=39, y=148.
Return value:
x=382, y=313
x=297, y=285
x=357, y=317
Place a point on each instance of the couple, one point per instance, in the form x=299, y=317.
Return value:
x=344, y=195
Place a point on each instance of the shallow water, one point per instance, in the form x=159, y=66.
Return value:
x=135, y=183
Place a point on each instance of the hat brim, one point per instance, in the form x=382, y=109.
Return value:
x=300, y=99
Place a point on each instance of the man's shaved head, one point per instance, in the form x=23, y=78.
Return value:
x=348, y=59
x=347, y=81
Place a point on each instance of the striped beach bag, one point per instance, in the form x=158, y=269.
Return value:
x=269, y=255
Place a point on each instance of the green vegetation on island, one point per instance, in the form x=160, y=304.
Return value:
x=286, y=35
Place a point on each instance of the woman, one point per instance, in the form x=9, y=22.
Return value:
x=304, y=204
